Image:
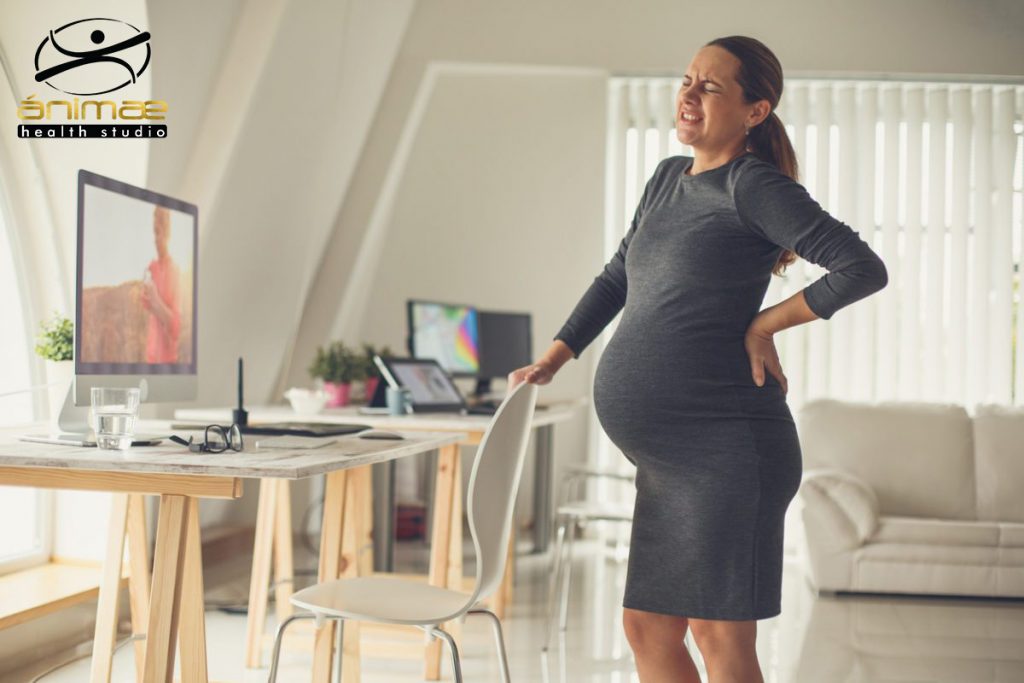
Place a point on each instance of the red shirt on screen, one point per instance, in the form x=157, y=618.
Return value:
x=161, y=340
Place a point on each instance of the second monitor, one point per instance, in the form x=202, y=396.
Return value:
x=468, y=342
x=506, y=344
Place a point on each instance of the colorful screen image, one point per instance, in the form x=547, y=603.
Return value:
x=448, y=334
x=137, y=279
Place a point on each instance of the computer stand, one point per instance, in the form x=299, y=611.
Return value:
x=483, y=388
x=73, y=419
x=480, y=395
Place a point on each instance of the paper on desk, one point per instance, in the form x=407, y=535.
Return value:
x=293, y=442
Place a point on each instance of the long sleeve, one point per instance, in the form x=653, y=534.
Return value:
x=781, y=210
x=607, y=293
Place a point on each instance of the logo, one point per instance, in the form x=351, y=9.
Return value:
x=92, y=56
x=89, y=58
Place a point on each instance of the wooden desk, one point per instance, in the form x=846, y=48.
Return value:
x=173, y=603
x=446, y=530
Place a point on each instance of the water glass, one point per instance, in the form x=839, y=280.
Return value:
x=114, y=411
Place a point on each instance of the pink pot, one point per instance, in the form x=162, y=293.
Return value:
x=370, y=386
x=337, y=394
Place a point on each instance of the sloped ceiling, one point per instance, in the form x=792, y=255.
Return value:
x=276, y=99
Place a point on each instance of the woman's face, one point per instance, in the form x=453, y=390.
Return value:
x=710, y=93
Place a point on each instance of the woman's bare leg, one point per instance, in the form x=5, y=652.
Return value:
x=657, y=642
x=729, y=649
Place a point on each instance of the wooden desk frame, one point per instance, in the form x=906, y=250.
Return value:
x=169, y=609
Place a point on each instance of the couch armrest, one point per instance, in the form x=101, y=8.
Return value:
x=840, y=507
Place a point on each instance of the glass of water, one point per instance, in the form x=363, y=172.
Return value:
x=114, y=411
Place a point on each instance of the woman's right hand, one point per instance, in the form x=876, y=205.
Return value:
x=537, y=373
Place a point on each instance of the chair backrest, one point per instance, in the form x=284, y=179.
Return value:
x=493, y=484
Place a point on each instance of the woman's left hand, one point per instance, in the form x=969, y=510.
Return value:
x=760, y=346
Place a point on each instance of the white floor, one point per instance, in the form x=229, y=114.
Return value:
x=814, y=640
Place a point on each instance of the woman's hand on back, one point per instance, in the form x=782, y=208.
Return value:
x=760, y=346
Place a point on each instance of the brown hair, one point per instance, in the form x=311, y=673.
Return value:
x=760, y=77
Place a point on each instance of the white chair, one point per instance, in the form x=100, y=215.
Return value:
x=569, y=515
x=493, y=483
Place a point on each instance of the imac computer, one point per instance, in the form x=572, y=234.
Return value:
x=505, y=345
x=135, y=295
x=445, y=332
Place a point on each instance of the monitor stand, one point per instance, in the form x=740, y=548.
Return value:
x=483, y=387
x=70, y=427
x=479, y=401
x=74, y=419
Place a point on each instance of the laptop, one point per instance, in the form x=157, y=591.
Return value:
x=432, y=389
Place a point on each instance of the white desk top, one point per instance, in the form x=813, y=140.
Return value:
x=555, y=412
x=171, y=458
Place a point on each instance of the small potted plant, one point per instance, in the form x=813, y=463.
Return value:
x=55, y=344
x=370, y=370
x=337, y=366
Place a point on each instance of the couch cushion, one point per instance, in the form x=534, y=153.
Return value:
x=938, y=569
x=922, y=530
x=917, y=457
x=999, y=459
x=1011, y=535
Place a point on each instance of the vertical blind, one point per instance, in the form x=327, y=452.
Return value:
x=930, y=175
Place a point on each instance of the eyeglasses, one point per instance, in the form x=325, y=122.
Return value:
x=216, y=439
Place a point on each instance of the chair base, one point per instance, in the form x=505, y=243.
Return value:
x=434, y=630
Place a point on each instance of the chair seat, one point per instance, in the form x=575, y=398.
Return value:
x=382, y=599
x=597, y=510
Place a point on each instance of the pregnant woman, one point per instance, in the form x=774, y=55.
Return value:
x=690, y=387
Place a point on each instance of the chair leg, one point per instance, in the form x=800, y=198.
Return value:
x=500, y=638
x=567, y=580
x=456, y=666
x=277, y=642
x=556, y=574
x=340, y=644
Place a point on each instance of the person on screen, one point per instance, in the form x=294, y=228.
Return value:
x=160, y=295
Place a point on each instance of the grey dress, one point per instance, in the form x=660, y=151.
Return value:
x=718, y=458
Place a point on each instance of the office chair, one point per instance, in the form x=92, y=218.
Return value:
x=493, y=483
x=568, y=515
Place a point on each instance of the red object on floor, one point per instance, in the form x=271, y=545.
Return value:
x=411, y=521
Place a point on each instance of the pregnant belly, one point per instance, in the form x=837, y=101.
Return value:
x=645, y=378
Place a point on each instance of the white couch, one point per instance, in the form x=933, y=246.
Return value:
x=911, y=497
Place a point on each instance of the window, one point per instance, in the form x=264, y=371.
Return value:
x=28, y=541
x=930, y=175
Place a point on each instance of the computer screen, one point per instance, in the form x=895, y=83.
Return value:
x=426, y=381
x=505, y=342
x=445, y=332
x=136, y=290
